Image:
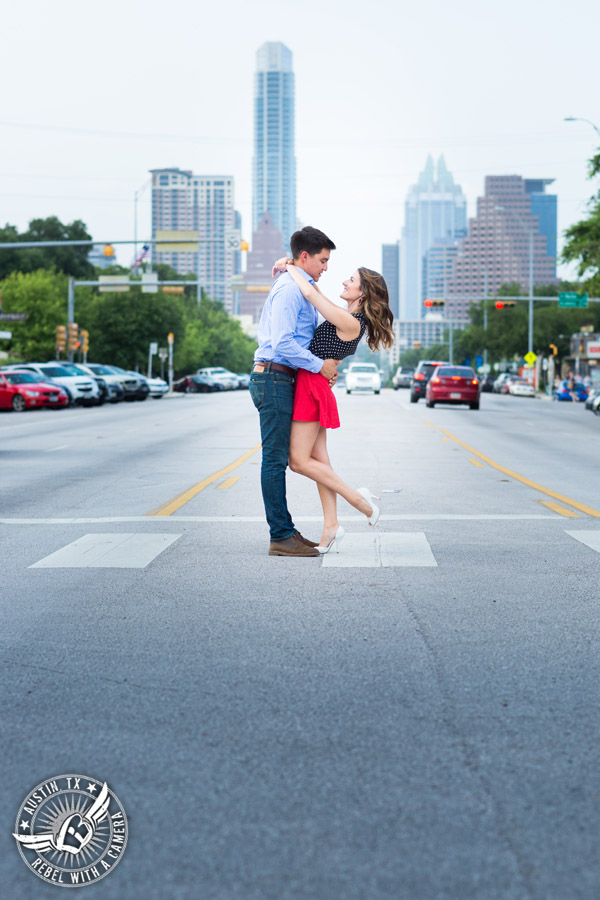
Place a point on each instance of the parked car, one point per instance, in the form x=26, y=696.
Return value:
x=244, y=380
x=111, y=378
x=593, y=392
x=521, y=388
x=500, y=379
x=566, y=390
x=486, y=383
x=158, y=387
x=134, y=384
x=228, y=379
x=104, y=388
x=196, y=384
x=403, y=377
x=453, y=384
x=24, y=390
x=81, y=389
x=363, y=377
x=505, y=385
x=421, y=376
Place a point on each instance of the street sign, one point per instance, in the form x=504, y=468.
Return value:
x=12, y=317
x=163, y=237
x=572, y=299
x=149, y=282
x=5, y=335
x=110, y=284
x=153, y=349
x=530, y=358
x=233, y=239
x=478, y=361
x=237, y=282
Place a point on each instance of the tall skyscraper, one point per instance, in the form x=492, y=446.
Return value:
x=390, y=269
x=182, y=201
x=497, y=245
x=274, y=163
x=435, y=208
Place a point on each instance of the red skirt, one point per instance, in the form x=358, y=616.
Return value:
x=314, y=400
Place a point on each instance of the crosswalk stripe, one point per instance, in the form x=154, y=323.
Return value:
x=589, y=538
x=386, y=550
x=108, y=551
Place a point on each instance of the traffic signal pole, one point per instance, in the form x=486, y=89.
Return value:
x=70, y=313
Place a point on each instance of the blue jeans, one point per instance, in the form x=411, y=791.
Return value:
x=273, y=395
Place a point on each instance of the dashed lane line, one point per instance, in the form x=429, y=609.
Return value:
x=171, y=506
x=587, y=510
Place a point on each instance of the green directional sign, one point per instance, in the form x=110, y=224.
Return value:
x=572, y=299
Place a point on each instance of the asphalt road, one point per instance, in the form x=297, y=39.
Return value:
x=414, y=718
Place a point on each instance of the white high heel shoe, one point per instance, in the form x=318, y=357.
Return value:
x=333, y=543
x=369, y=497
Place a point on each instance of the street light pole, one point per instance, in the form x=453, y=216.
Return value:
x=578, y=119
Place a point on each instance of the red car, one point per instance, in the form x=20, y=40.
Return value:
x=453, y=384
x=23, y=390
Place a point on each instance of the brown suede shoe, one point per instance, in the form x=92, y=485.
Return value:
x=304, y=540
x=291, y=547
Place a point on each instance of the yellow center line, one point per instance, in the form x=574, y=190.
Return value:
x=561, y=510
x=588, y=510
x=476, y=463
x=229, y=482
x=171, y=506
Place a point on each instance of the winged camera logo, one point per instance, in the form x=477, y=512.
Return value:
x=71, y=830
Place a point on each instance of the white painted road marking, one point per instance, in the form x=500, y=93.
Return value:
x=589, y=538
x=54, y=449
x=407, y=548
x=108, y=551
x=233, y=520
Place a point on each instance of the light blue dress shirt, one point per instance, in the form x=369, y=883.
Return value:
x=287, y=325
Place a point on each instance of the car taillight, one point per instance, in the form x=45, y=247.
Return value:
x=419, y=377
x=435, y=380
x=474, y=381
x=456, y=378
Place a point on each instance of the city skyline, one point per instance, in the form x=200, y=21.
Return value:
x=366, y=116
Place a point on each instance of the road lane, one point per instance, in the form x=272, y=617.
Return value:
x=292, y=728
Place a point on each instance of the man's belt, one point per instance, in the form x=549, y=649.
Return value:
x=277, y=367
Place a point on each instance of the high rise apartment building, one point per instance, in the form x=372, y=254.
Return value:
x=274, y=163
x=496, y=248
x=182, y=201
x=435, y=209
x=390, y=269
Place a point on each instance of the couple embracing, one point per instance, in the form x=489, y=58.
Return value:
x=294, y=370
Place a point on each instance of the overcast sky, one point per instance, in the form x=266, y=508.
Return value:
x=95, y=95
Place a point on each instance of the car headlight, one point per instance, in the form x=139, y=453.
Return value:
x=32, y=393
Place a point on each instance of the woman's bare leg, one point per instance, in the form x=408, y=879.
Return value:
x=327, y=495
x=303, y=438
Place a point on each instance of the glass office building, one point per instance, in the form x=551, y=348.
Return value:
x=435, y=209
x=274, y=163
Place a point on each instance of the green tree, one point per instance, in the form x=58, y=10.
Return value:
x=70, y=260
x=582, y=240
x=43, y=296
x=213, y=338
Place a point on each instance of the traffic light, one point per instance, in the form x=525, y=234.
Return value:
x=244, y=245
x=554, y=349
x=109, y=250
x=430, y=303
x=416, y=345
x=85, y=340
x=73, y=337
x=500, y=304
x=60, y=339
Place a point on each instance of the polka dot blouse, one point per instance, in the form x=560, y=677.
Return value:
x=327, y=345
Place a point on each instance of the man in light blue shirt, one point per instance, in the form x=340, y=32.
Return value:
x=286, y=328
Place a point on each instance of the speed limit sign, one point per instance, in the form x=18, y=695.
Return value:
x=233, y=239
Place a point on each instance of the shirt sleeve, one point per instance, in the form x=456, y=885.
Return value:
x=285, y=311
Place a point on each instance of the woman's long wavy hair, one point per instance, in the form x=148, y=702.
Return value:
x=376, y=308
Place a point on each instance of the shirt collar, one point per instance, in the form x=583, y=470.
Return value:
x=306, y=275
